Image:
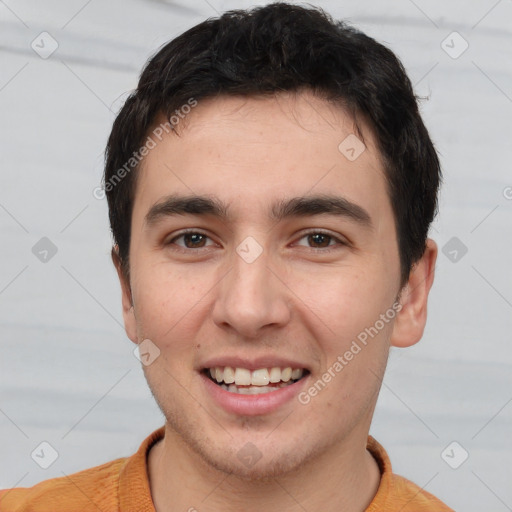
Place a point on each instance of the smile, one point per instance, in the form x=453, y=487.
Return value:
x=254, y=382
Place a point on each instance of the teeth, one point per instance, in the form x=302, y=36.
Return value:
x=297, y=373
x=286, y=374
x=260, y=377
x=242, y=377
x=275, y=374
x=229, y=375
x=253, y=390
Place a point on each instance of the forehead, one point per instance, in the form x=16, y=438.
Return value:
x=250, y=150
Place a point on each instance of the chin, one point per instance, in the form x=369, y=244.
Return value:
x=263, y=470
x=256, y=460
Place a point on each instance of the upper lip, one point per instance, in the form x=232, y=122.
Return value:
x=253, y=363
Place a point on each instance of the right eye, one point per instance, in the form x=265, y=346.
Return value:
x=191, y=240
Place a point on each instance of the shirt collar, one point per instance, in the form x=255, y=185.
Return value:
x=135, y=493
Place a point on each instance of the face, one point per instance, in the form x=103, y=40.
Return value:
x=287, y=261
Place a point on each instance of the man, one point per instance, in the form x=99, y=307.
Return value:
x=270, y=187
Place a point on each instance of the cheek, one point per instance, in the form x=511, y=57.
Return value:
x=167, y=301
x=344, y=310
x=342, y=301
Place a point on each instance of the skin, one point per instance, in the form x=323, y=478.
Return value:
x=293, y=301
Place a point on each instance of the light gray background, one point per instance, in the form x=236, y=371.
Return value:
x=68, y=375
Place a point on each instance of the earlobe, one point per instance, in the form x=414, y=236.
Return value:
x=410, y=321
x=126, y=297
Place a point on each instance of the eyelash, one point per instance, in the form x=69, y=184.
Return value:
x=323, y=250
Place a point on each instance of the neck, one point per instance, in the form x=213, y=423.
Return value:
x=345, y=477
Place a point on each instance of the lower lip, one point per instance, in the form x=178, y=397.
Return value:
x=252, y=405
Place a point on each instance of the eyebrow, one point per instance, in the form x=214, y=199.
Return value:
x=304, y=206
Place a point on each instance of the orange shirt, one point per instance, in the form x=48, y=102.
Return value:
x=122, y=485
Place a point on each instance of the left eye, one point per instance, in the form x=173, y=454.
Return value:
x=320, y=240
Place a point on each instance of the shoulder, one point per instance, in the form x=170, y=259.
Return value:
x=90, y=489
x=409, y=497
x=109, y=487
x=396, y=492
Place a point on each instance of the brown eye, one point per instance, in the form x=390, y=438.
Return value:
x=319, y=240
x=190, y=240
x=323, y=242
x=193, y=240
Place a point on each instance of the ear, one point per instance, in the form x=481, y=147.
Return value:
x=130, y=324
x=410, y=321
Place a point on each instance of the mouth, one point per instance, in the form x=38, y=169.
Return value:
x=243, y=381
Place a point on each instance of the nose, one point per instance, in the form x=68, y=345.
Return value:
x=251, y=297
